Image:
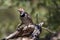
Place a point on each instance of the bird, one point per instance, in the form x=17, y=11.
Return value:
x=25, y=17
x=27, y=28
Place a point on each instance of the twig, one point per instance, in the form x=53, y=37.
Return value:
x=41, y=24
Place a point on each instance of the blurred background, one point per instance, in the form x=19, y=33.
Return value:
x=40, y=10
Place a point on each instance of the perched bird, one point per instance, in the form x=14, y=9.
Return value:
x=27, y=28
x=25, y=17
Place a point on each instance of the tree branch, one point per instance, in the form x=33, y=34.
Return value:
x=41, y=24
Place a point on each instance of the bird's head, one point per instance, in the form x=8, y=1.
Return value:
x=22, y=12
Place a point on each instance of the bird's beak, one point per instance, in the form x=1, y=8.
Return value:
x=18, y=10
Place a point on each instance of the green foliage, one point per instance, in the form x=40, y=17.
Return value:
x=40, y=10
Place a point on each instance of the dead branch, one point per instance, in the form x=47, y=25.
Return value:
x=41, y=24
